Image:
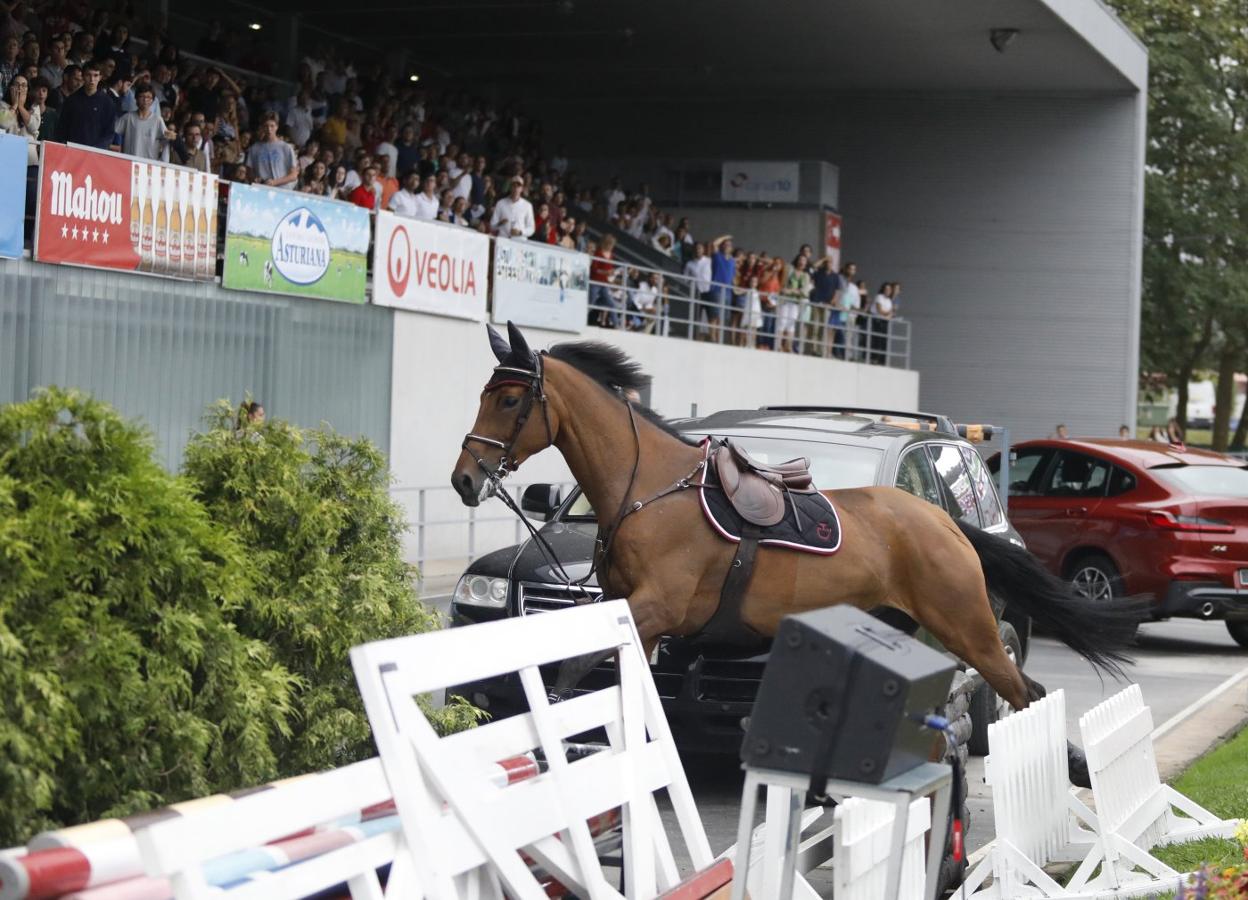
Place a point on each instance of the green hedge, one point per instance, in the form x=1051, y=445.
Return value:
x=164, y=637
x=323, y=543
x=123, y=682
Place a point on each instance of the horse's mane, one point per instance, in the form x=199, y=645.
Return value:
x=611, y=367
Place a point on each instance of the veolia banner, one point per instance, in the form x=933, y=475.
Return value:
x=430, y=267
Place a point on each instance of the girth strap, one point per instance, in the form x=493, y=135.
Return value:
x=726, y=625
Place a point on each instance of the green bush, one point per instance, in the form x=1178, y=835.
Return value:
x=123, y=683
x=323, y=540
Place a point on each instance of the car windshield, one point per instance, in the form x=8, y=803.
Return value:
x=833, y=466
x=1207, y=481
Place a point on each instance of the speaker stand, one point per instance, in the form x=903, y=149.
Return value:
x=786, y=792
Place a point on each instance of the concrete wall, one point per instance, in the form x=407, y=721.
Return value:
x=1014, y=222
x=440, y=365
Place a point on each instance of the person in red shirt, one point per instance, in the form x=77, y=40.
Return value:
x=544, y=226
x=365, y=193
x=601, y=271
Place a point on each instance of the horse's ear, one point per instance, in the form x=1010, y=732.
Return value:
x=519, y=345
x=497, y=344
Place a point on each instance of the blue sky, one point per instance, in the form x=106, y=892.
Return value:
x=256, y=211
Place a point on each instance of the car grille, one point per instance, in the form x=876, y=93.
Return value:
x=543, y=598
x=730, y=681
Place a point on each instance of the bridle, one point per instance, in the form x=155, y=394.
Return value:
x=534, y=382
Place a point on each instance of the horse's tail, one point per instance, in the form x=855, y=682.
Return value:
x=1100, y=632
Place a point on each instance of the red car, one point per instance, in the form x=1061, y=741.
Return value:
x=1128, y=518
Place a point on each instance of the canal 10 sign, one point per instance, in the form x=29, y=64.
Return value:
x=430, y=267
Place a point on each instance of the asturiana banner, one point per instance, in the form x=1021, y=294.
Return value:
x=284, y=242
x=430, y=267
x=12, y=193
x=114, y=212
x=540, y=285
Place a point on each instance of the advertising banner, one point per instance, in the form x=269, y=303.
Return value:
x=430, y=267
x=285, y=242
x=760, y=182
x=12, y=194
x=540, y=285
x=114, y=212
x=832, y=238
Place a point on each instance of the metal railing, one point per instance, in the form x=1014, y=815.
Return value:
x=790, y=324
x=471, y=531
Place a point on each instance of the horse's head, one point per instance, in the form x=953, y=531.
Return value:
x=514, y=420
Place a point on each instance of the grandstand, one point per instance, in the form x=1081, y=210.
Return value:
x=987, y=156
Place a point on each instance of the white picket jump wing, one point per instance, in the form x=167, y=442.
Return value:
x=1133, y=804
x=544, y=817
x=860, y=860
x=1038, y=820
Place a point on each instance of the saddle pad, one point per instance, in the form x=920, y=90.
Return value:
x=813, y=528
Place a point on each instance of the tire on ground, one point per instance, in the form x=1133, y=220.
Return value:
x=1084, y=570
x=1239, y=631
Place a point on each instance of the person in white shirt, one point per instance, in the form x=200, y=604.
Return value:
x=387, y=154
x=615, y=197
x=403, y=201
x=645, y=299
x=698, y=270
x=299, y=119
x=461, y=185
x=513, y=215
x=426, y=202
x=844, y=340
x=881, y=312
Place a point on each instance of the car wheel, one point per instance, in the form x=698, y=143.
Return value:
x=1239, y=631
x=987, y=706
x=1095, y=577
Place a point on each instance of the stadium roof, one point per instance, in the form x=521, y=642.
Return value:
x=697, y=48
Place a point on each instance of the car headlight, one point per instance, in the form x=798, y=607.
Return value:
x=481, y=590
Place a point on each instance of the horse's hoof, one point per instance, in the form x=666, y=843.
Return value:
x=1077, y=765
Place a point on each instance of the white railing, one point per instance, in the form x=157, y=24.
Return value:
x=445, y=530
x=719, y=316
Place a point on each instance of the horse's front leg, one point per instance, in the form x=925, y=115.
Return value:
x=652, y=618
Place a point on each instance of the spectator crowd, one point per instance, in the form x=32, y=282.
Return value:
x=75, y=73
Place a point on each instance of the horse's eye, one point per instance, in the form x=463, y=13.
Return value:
x=510, y=401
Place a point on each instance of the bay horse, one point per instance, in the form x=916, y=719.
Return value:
x=657, y=550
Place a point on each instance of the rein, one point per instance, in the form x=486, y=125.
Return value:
x=534, y=381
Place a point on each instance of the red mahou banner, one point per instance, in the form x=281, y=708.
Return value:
x=84, y=209
x=107, y=211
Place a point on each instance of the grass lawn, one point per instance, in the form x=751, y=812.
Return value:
x=344, y=280
x=1217, y=781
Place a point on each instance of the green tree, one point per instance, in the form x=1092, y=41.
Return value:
x=1195, y=230
x=123, y=685
x=323, y=543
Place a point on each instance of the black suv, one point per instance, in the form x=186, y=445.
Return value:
x=707, y=691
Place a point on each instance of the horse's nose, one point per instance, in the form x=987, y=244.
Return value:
x=464, y=486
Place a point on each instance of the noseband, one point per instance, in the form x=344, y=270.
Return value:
x=534, y=382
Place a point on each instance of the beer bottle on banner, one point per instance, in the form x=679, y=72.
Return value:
x=151, y=203
x=190, y=204
x=177, y=199
x=136, y=206
x=208, y=229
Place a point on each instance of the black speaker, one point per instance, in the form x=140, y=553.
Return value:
x=843, y=696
